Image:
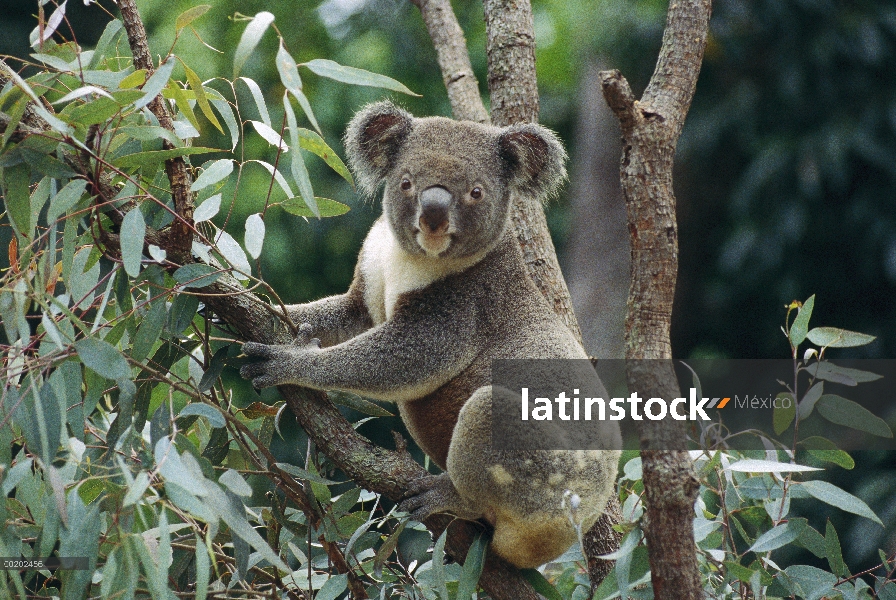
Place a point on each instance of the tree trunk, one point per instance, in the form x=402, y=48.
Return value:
x=650, y=131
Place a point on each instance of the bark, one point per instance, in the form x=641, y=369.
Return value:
x=454, y=60
x=175, y=168
x=650, y=131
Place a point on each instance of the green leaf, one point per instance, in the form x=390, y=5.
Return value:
x=299, y=172
x=37, y=106
x=831, y=494
x=837, y=374
x=783, y=417
x=842, y=411
x=269, y=135
x=315, y=144
x=196, y=275
x=226, y=113
x=438, y=567
x=136, y=489
x=100, y=110
x=778, y=536
x=183, y=103
x=751, y=465
x=156, y=83
x=800, y=326
x=133, y=232
x=39, y=416
x=203, y=569
x=834, y=554
x=475, y=561
x=327, y=207
x=17, y=198
x=148, y=133
x=187, y=17
x=832, y=337
x=214, y=416
x=212, y=174
x=289, y=73
x=332, y=588
x=826, y=450
x=239, y=526
x=65, y=199
x=250, y=38
x=807, y=404
x=182, y=312
x=812, y=541
x=201, y=97
x=306, y=108
x=543, y=587
x=254, y=238
x=359, y=404
x=102, y=358
x=133, y=80
x=259, y=100
x=333, y=70
x=810, y=583
x=235, y=483
x=304, y=474
x=208, y=209
x=14, y=476
x=216, y=366
x=99, y=52
x=151, y=157
x=149, y=331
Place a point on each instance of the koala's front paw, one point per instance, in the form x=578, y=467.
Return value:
x=277, y=365
x=435, y=494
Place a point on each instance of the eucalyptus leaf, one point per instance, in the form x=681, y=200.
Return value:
x=351, y=75
x=133, y=232
x=250, y=38
x=833, y=495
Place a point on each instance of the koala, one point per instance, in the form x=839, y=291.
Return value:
x=439, y=292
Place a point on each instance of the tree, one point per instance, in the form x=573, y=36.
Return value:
x=89, y=368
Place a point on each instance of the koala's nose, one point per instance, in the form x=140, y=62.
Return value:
x=434, y=205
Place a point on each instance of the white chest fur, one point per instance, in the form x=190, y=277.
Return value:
x=389, y=271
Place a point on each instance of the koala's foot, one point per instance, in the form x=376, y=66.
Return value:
x=277, y=365
x=436, y=494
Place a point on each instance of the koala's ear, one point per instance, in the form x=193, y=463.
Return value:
x=534, y=160
x=373, y=140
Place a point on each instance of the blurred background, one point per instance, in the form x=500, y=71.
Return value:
x=785, y=170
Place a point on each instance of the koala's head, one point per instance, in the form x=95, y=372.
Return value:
x=449, y=184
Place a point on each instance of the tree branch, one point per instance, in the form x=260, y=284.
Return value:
x=175, y=168
x=650, y=131
x=454, y=60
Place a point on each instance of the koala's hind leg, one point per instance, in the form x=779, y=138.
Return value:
x=522, y=492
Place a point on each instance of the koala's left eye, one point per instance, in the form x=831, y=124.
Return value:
x=476, y=193
x=405, y=184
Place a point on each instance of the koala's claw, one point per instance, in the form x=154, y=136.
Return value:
x=435, y=494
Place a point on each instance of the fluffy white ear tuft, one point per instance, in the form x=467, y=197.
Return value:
x=534, y=160
x=373, y=140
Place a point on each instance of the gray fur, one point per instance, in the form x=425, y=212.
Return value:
x=421, y=325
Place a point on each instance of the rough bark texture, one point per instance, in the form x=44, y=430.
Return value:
x=650, y=131
x=175, y=168
x=454, y=60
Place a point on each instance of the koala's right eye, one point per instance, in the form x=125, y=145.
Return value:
x=405, y=184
